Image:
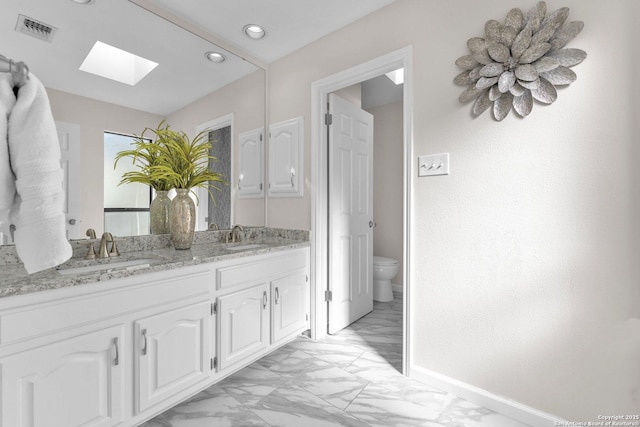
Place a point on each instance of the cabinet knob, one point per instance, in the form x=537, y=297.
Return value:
x=277, y=296
x=265, y=299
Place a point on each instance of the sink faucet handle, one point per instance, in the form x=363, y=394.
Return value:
x=91, y=233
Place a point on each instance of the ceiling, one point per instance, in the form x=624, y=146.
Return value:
x=290, y=24
x=184, y=75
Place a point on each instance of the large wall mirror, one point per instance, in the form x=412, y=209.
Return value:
x=185, y=89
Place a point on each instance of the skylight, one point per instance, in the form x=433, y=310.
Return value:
x=116, y=64
x=396, y=76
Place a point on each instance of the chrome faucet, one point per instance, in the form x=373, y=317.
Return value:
x=234, y=232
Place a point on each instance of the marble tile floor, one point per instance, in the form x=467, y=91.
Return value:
x=349, y=379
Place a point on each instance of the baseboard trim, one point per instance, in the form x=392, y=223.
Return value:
x=512, y=409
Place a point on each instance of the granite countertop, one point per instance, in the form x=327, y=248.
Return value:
x=14, y=279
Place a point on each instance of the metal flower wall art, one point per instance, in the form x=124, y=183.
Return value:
x=520, y=61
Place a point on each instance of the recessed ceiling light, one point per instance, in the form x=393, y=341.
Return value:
x=83, y=1
x=254, y=31
x=116, y=64
x=216, y=57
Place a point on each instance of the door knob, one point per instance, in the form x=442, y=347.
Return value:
x=72, y=221
x=372, y=224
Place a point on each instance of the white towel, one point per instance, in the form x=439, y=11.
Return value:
x=37, y=210
x=7, y=179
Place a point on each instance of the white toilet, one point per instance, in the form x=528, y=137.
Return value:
x=384, y=269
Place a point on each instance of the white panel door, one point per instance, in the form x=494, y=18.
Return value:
x=286, y=159
x=173, y=352
x=75, y=382
x=244, y=325
x=289, y=305
x=250, y=175
x=69, y=139
x=350, y=213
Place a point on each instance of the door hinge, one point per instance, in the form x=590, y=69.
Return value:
x=328, y=119
x=328, y=296
x=261, y=137
x=214, y=308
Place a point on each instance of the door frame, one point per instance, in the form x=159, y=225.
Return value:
x=320, y=89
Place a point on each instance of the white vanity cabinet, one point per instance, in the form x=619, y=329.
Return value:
x=173, y=352
x=74, y=382
x=120, y=351
x=70, y=357
x=289, y=305
x=262, y=302
x=244, y=325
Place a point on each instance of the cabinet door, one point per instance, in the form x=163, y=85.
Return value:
x=74, y=382
x=289, y=309
x=173, y=352
x=286, y=158
x=244, y=324
x=250, y=175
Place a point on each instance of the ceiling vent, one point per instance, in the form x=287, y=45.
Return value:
x=34, y=28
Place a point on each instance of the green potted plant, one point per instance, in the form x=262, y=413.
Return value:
x=184, y=164
x=147, y=156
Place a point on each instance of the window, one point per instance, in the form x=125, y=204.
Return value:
x=126, y=206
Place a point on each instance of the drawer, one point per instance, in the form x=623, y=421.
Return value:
x=241, y=273
x=125, y=296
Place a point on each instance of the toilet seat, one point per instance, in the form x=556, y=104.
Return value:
x=379, y=260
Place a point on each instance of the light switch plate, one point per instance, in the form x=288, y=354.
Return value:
x=434, y=164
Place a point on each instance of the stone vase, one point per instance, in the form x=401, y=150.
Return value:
x=159, y=212
x=182, y=219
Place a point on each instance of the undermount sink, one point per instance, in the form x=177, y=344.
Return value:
x=133, y=264
x=246, y=246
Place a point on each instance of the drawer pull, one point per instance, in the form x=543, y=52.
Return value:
x=264, y=300
x=277, y=295
x=144, y=342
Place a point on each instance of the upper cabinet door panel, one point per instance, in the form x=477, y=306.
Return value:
x=286, y=158
x=251, y=170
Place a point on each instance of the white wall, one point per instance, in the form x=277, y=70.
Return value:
x=94, y=118
x=525, y=259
